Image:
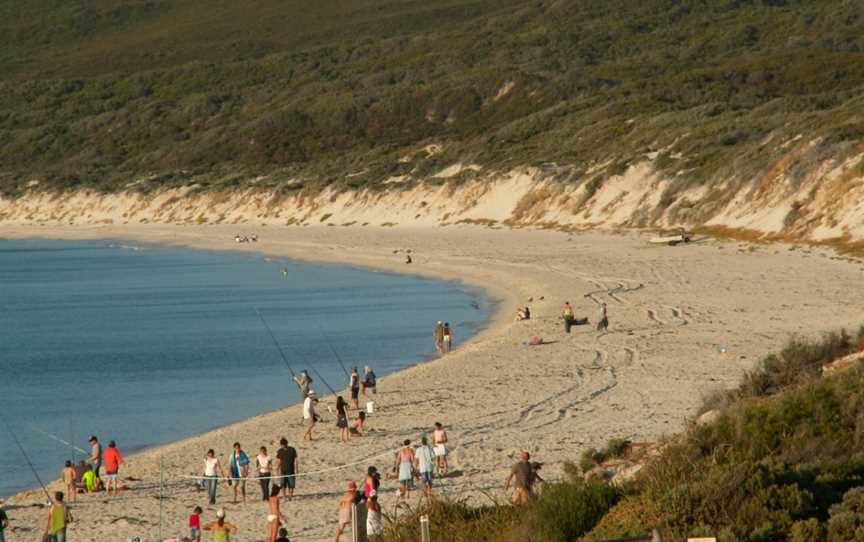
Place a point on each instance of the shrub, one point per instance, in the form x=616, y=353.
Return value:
x=568, y=510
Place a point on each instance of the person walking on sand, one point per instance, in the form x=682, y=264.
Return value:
x=195, y=524
x=374, y=519
x=264, y=464
x=439, y=446
x=342, y=419
x=603, y=320
x=438, y=335
x=95, y=454
x=113, y=459
x=425, y=464
x=288, y=467
x=212, y=472
x=346, y=501
x=275, y=518
x=68, y=476
x=59, y=518
x=369, y=381
x=355, y=387
x=309, y=415
x=568, y=316
x=523, y=473
x=405, y=467
x=446, y=337
x=238, y=466
x=220, y=528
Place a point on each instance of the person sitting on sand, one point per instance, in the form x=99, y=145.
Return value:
x=90, y=480
x=346, y=501
x=356, y=429
x=520, y=315
x=524, y=478
x=220, y=528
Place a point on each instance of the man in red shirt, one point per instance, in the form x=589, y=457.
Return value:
x=112, y=458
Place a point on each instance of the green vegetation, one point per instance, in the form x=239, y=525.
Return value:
x=782, y=461
x=297, y=94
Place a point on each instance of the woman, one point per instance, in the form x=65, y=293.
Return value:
x=263, y=461
x=221, y=529
x=275, y=518
x=356, y=429
x=439, y=446
x=374, y=520
x=342, y=418
x=405, y=468
x=212, y=472
x=304, y=382
x=372, y=482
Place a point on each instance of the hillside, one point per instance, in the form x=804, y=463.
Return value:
x=739, y=113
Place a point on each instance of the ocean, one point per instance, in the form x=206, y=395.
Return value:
x=145, y=344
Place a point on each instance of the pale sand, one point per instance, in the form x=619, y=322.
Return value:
x=495, y=395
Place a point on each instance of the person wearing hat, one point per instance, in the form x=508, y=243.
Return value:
x=309, y=415
x=346, y=501
x=374, y=520
x=221, y=529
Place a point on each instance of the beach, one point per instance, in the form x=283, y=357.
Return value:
x=684, y=321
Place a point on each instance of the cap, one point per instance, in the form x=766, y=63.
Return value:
x=220, y=513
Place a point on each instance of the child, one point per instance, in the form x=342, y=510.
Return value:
x=69, y=480
x=283, y=535
x=195, y=525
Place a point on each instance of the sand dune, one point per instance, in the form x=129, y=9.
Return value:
x=684, y=320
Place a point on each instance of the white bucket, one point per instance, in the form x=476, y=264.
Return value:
x=370, y=407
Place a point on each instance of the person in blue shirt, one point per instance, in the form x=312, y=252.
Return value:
x=238, y=464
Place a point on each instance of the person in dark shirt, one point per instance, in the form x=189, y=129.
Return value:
x=287, y=456
x=524, y=476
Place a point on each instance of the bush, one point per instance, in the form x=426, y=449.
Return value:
x=568, y=510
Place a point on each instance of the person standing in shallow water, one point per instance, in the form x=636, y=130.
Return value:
x=446, y=337
x=438, y=336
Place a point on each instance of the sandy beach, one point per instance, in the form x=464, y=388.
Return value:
x=683, y=321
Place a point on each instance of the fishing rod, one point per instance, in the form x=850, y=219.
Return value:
x=60, y=440
x=26, y=457
x=278, y=346
x=330, y=345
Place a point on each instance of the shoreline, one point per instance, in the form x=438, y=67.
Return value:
x=495, y=395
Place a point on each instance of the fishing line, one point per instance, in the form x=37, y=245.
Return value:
x=330, y=345
x=26, y=457
x=60, y=440
x=278, y=346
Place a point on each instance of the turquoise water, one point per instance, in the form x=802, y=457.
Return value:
x=144, y=344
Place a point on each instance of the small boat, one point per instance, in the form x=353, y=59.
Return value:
x=671, y=240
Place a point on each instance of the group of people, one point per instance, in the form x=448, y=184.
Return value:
x=245, y=239
x=222, y=529
x=86, y=476
x=523, y=314
x=443, y=336
x=570, y=319
x=357, y=386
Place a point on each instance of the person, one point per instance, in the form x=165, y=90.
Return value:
x=4, y=524
x=405, y=467
x=355, y=387
x=221, y=529
x=285, y=272
x=89, y=480
x=438, y=335
x=372, y=482
x=304, y=381
x=446, y=337
x=342, y=419
x=212, y=472
x=95, y=454
x=408, y=258
x=425, y=464
x=68, y=476
x=287, y=456
x=195, y=524
x=79, y=474
x=59, y=518
x=283, y=535
x=520, y=315
x=238, y=466
x=346, y=501
x=356, y=429
x=112, y=459
x=369, y=380
x=524, y=480
x=603, y=320
x=264, y=462
x=275, y=518
x=568, y=317
x=374, y=520
x=439, y=446
x=527, y=313
x=309, y=415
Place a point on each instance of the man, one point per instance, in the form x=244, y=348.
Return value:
x=58, y=518
x=303, y=382
x=95, y=454
x=4, y=523
x=438, y=335
x=113, y=459
x=602, y=320
x=523, y=472
x=287, y=467
x=355, y=387
x=346, y=501
x=439, y=445
x=238, y=465
x=369, y=381
x=567, y=316
x=424, y=457
x=309, y=414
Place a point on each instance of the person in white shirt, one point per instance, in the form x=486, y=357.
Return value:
x=309, y=415
x=424, y=458
x=263, y=461
x=212, y=472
